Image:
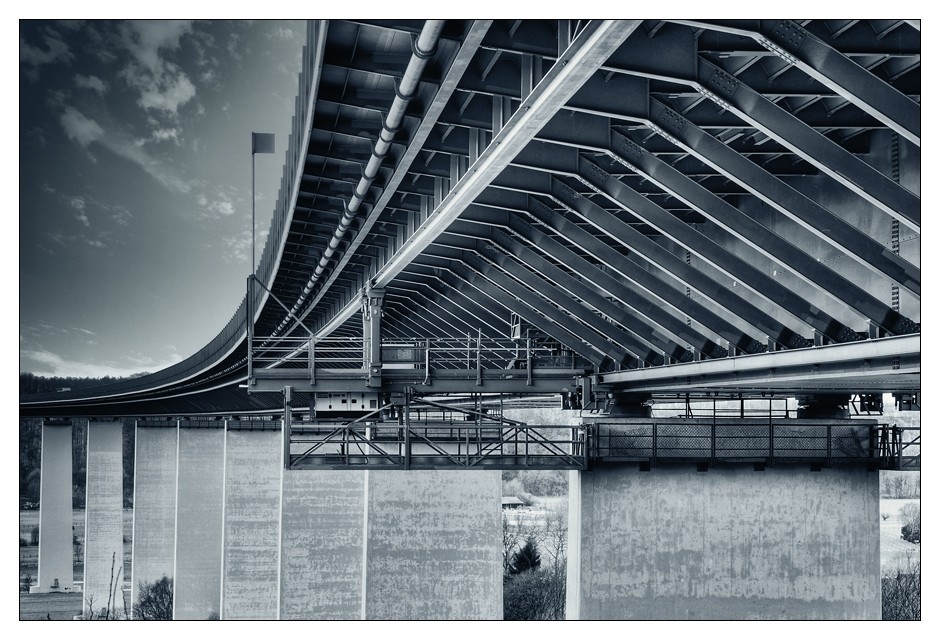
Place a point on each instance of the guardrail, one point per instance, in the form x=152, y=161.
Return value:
x=822, y=443
x=418, y=353
x=436, y=446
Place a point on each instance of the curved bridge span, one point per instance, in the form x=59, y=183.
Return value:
x=651, y=201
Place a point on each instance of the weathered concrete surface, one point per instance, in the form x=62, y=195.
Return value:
x=104, y=539
x=731, y=543
x=55, y=509
x=434, y=545
x=154, y=536
x=321, y=545
x=198, y=568
x=250, y=551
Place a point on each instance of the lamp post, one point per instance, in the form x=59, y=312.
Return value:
x=260, y=143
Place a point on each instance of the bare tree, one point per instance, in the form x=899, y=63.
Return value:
x=514, y=534
x=900, y=592
x=107, y=612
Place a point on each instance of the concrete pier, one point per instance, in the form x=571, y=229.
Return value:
x=434, y=545
x=104, y=538
x=154, y=538
x=321, y=545
x=729, y=543
x=55, y=509
x=198, y=567
x=251, y=534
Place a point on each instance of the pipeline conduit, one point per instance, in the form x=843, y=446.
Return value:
x=423, y=48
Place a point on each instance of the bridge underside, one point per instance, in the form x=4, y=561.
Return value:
x=677, y=206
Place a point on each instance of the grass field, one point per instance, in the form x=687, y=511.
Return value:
x=29, y=555
x=895, y=551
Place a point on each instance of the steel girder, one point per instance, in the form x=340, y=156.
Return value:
x=495, y=325
x=797, y=46
x=877, y=366
x=650, y=251
x=628, y=98
x=534, y=296
x=633, y=103
x=850, y=171
x=632, y=269
x=567, y=161
x=639, y=310
x=586, y=132
x=479, y=289
x=456, y=70
x=649, y=335
x=685, y=66
x=563, y=300
x=585, y=55
x=759, y=237
x=450, y=308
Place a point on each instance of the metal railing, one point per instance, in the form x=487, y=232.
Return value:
x=436, y=446
x=899, y=447
x=471, y=353
x=823, y=443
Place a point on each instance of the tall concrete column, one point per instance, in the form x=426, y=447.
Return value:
x=154, y=538
x=252, y=518
x=55, y=508
x=104, y=539
x=434, y=545
x=321, y=545
x=729, y=543
x=197, y=582
x=573, y=571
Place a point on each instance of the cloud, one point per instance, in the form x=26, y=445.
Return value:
x=91, y=82
x=79, y=205
x=121, y=215
x=47, y=363
x=37, y=136
x=232, y=47
x=84, y=131
x=163, y=86
x=281, y=33
x=77, y=127
x=91, y=333
x=145, y=39
x=161, y=135
x=55, y=51
x=130, y=150
x=215, y=208
x=168, y=93
x=238, y=247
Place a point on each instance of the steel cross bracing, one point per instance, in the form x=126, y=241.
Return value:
x=677, y=206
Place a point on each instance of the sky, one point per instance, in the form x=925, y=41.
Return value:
x=135, y=184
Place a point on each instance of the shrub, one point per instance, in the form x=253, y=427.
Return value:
x=526, y=559
x=900, y=594
x=154, y=600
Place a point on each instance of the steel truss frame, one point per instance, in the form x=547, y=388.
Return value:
x=394, y=436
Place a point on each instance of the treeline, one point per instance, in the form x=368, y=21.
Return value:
x=31, y=457
x=31, y=383
x=900, y=484
x=525, y=484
